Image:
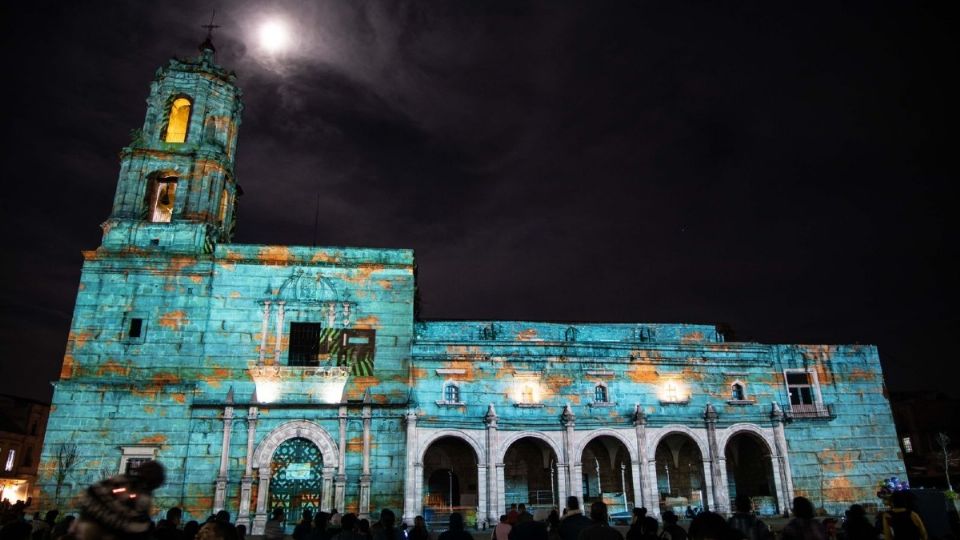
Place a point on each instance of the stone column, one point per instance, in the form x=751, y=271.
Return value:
x=341, y=481
x=482, y=505
x=365, y=475
x=640, y=476
x=782, y=463
x=220, y=494
x=279, y=343
x=717, y=485
x=260, y=519
x=264, y=328
x=326, y=491
x=493, y=510
x=653, y=491
x=569, y=421
x=246, y=483
x=409, y=474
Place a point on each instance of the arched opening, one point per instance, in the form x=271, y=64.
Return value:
x=450, y=477
x=750, y=472
x=600, y=394
x=179, y=121
x=161, y=198
x=736, y=392
x=296, y=478
x=607, y=474
x=680, y=480
x=530, y=474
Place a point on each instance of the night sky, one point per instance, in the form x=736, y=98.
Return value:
x=782, y=168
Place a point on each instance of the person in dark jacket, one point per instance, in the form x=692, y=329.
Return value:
x=573, y=520
x=600, y=528
x=744, y=522
x=856, y=526
x=455, y=532
x=901, y=522
x=803, y=526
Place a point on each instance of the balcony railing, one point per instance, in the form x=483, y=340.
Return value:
x=810, y=410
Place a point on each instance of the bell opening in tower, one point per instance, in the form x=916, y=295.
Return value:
x=162, y=197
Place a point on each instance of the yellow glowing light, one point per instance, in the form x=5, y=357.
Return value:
x=673, y=391
x=179, y=121
x=526, y=390
x=274, y=36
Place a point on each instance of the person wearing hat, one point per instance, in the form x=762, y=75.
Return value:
x=119, y=507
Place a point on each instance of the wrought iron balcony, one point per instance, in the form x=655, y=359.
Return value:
x=810, y=410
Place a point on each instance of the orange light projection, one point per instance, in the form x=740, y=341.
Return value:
x=179, y=121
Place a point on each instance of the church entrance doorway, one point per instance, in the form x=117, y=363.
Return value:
x=750, y=472
x=450, y=476
x=530, y=475
x=680, y=480
x=296, y=478
x=607, y=474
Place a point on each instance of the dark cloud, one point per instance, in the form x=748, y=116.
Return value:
x=783, y=169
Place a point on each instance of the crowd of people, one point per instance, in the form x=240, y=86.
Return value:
x=119, y=508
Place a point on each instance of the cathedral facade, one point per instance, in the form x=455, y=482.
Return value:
x=268, y=376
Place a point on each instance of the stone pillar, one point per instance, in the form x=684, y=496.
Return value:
x=482, y=505
x=569, y=421
x=409, y=475
x=640, y=476
x=493, y=510
x=220, y=494
x=260, y=519
x=782, y=462
x=717, y=486
x=264, y=328
x=326, y=490
x=279, y=343
x=246, y=483
x=653, y=492
x=340, y=483
x=365, y=475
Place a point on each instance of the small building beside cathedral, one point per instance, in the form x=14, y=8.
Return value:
x=266, y=376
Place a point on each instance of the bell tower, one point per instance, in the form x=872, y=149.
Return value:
x=177, y=191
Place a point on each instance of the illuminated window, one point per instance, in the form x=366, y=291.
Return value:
x=162, y=195
x=600, y=394
x=224, y=204
x=907, y=445
x=178, y=121
x=527, y=394
x=737, y=393
x=672, y=391
x=451, y=393
x=11, y=457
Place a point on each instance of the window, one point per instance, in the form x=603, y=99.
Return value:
x=136, y=328
x=305, y=344
x=800, y=388
x=600, y=394
x=736, y=392
x=527, y=394
x=161, y=197
x=28, y=457
x=178, y=122
x=136, y=455
x=224, y=205
x=907, y=445
x=451, y=393
x=11, y=458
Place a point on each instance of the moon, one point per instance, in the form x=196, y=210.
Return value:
x=274, y=36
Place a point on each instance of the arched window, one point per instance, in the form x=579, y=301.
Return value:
x=451, y=393
x=600, y=394
x=160, y=199
x=178, y=121
x=737, y=392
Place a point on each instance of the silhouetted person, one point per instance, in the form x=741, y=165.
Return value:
x=856, y=526
x=553, y=525
x=528, y=529
x=522, y=514
x=348, y=528
x=573, y=520
x=455, y=532
x=671, y=529
x=119, y=507
x=635, y=532
x=901, y=521
x=803, y=526
x=599, y=528
x=512, y=515
x=387, y=529
x=274, y=528
x=191, y=529
x=305, y=527
x=419, y=530
x=502, y=530
x=169, y=529
x=710, y=526
x=241, y=532
x=746, y=523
